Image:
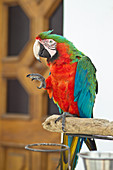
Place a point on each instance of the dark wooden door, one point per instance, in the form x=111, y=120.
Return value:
x=23, y=107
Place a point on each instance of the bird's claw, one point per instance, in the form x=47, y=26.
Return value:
x=39, y=77
x=33, y=79
x=63, y=116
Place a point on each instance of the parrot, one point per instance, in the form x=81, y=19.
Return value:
x=71, y=84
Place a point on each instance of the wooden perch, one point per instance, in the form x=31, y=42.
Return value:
x=74, y=125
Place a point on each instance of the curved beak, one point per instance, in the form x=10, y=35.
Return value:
x=36, y=50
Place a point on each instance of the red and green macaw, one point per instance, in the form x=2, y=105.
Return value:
x=71, y=84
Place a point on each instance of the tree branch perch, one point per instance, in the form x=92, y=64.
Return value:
x=89, y=126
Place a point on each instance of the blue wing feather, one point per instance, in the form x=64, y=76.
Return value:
x=85, y=87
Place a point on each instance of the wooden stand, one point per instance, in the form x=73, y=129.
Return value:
x=89, y=126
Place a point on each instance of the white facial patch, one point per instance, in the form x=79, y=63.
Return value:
x=36, y=49
x=50, y=46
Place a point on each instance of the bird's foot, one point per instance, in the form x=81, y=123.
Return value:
x=39, y=77
x=63, y=116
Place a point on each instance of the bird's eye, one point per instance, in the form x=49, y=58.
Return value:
x=51, y=41
x=51, y=44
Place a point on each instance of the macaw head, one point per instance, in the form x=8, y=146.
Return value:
x=53, y=46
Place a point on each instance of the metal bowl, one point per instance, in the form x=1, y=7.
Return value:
x=95, y=160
